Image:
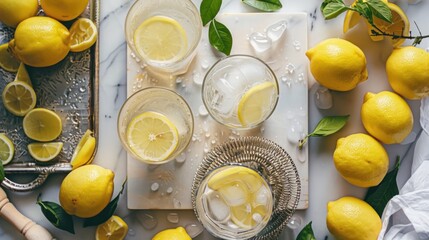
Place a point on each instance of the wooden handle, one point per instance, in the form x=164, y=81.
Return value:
x=28, y=228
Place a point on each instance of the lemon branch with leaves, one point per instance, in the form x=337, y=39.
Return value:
x=370, y=10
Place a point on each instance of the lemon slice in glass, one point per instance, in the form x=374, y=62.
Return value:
x=113, y=229
x=236, y=174
x=83, y=34
x=84, y=151
x=42, y=125
x=161, y=38
x=7, y=61
x=19, y=98
x=152, y=136
x=44, y=152
x=7, y=150
x=246, y=216
x=256, y=104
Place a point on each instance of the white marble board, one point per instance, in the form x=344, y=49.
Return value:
x=288, y=123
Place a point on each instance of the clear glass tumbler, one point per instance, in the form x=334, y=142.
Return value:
x=155, y=125
x=146, y=17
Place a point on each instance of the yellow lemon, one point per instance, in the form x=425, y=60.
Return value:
x=86, y=191
x=84, y=151
x=386, y=116
x=42, y=125
x=64, y=10
x=407, y=72
x=7, y=149
x=12, y=12
x=172, y=234
x=361, y=160
x=40, y=41
x=7, y=61
x=83, y=35
x=113, y=229
x=350, y=218
x=337, y=64
x=44, y=152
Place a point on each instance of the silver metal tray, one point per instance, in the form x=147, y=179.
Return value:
x=70, y=88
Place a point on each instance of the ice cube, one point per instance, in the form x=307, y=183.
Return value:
x=218, y=210
x=323, y=98
x=253, y=72
x=234, y=194
x=262, y=196
x=260, y=42
x=277, y=30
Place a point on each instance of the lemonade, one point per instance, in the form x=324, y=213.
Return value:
x=234, y=202
x=240, y=91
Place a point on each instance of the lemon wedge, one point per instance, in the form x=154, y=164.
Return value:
x=42, y=125
x=152, y=136
x=161, y=38
x=83, y=34
x=22, y=75
x=84, y=150
x=19, y=98
x=44, y=152
x=255, y=104
x=113, y=229
x=7, y=61
x=7, y=150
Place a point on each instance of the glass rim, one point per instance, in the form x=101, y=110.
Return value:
x=142, y=91
x=203, y=87
x=130, y=42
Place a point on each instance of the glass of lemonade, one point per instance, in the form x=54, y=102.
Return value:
x=240, y=91
x=155, y=125
x=234, y=202
x=164, y=34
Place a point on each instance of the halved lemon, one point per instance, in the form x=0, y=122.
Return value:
x=152, y=136
x=84, y=150
x=7, y=150
x=113, y=229
x=352, y=18
x=256, y=103
x=83, y=34
x=7, y=61
x=19, y=98
x=42, y=125
x=44, y=152
x=161, y=38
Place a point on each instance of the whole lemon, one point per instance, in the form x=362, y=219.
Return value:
x=40, y=41
x=86, y=191
x=64, y=10
x=12, y=12
x=350, y=218
x=172, y=234
x=361, y=160
x=407, y=72
x=386, y=116
x=337, y=64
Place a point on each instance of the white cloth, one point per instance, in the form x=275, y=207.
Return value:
x=406, y=216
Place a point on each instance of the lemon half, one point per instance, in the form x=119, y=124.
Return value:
x=113, y=229
x=7, y=150
x=83, y=34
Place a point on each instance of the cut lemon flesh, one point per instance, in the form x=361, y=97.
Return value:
x=83, y=34
x=18, y=98
x=161, y=38
x=44, y=152
x=247, y=216
x=152, y=136
x=352, y=18
x=7, y=150
x=42, y=125
x=83, y=152
x=7, y=61
x=256, y=103
x=236, y=174
x=23, y=75
x=113, y=229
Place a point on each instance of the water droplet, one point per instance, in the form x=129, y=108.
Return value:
x=177, y=203
x=295, y=222
x=262, y=129
x=179, y=79
x=286, y=80
x=154, y=187
x=82, y=89
x=194, y=229
x=131, y=232
x=295, y=131
x=410, y=138
x=202, y=110
x=207, y=135
x=196, y=77
x=169, y=190
x=181, y=158
x=290, y=68
x=173, y=218
x=147, y=221
x=297, y=45
x=276, y=31
x=323, y=98
x=301, y=77
x=204, y=64
x=260, y=42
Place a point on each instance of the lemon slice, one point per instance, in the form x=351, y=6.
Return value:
x=7, y=61
x=83, y=34
x=246, y=216
x=236, y=174
x=84, y=150
x=113, y=229
x=18, y=98
x=255, y=104
x=160, y=38
x=7, y=150
x=42, y=125
x=44, y=152
x=152, y=136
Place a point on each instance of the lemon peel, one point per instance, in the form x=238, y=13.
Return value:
x=84, y=151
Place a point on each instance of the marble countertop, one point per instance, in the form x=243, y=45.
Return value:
x=325, y=184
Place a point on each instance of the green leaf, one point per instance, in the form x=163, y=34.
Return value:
x=363, y=9
x=1, y=172
x=56, y=215
x=209, y=9
x=332, y=9
x=380, y=10
x=306, y=233
x=329, y=125
x=106, y=213
x=379, y=195
x=220, y=37
x=264, y=5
